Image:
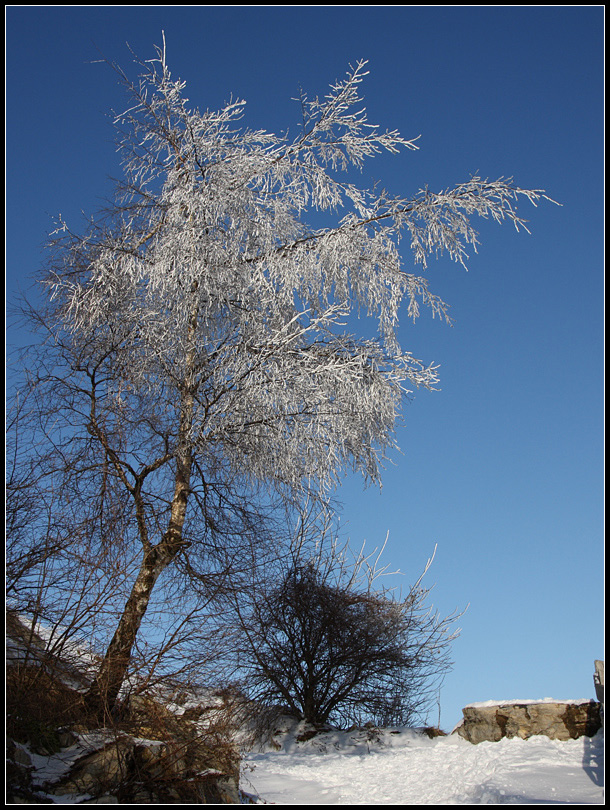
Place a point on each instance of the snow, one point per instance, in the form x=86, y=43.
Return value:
x=393, y=766
x=50, y=769
x=488, y=703
x=407, y=767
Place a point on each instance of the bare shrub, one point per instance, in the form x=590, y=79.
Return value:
x=327, y=642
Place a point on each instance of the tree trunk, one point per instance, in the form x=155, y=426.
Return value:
x=103, y=693
x=102, y=696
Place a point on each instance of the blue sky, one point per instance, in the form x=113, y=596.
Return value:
x=502, y=468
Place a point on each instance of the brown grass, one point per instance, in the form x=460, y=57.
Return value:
x=38, y=706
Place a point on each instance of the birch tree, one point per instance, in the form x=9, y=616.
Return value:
x=198, y=344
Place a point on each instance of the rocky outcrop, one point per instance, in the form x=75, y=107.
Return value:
x=557, y=720
x=598, y=680
x=143, y=772
x=125, y=769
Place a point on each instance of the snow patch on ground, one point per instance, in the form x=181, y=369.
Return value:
x=406, y=767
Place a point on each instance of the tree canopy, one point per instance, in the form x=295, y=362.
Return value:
x=198, y=344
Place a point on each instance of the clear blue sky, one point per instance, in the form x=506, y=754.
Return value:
x=502, y=468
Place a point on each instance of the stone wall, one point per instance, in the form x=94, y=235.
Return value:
x=557, y=720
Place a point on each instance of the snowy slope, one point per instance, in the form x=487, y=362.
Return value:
x=409, y=768
x=399, y=766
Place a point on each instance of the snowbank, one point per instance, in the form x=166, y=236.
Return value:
x=406, y=767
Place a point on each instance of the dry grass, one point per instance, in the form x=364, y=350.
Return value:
x=39, y=706
x=195, y=763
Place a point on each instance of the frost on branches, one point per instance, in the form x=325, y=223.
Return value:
x=202, y=321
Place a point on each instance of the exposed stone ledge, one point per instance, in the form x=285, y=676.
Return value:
x=559, y=720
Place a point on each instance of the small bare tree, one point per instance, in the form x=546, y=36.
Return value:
x=195, y=359
x=327, y=643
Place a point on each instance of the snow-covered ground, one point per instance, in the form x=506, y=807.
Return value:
x=398, y=766
x=406, y=767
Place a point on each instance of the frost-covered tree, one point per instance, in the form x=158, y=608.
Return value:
x=197, y=342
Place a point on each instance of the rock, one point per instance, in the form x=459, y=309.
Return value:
x=135, y=771
x=557, y=720
x=17, y=754
x=18, y=774
x=598, y=680
x=433, y=732
x=99, y=772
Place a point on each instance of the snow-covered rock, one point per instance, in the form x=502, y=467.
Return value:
x=558, y=720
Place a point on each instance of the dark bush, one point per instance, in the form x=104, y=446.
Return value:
x=331, y=653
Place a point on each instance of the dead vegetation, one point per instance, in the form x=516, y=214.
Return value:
x=145, y=753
